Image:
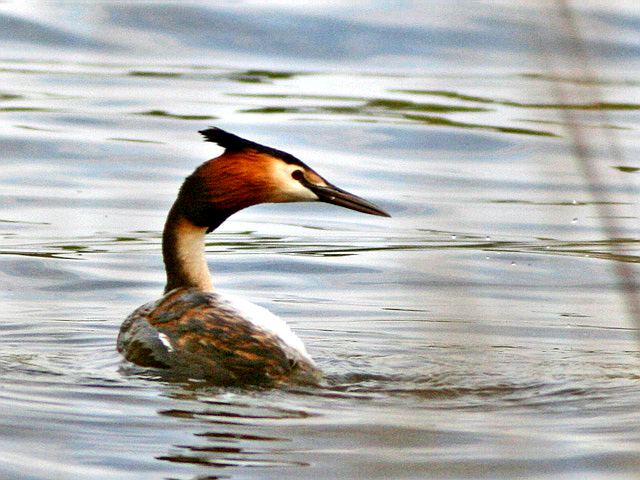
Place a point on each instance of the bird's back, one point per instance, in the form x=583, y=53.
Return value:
x=217, y=338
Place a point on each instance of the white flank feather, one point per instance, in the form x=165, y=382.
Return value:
x=263, y=318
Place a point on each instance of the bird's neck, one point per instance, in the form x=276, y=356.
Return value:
x=183, y=253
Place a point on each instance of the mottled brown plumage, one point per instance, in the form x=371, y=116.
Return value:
x=204, y=336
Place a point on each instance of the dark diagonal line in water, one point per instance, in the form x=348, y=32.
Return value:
x=582, y=147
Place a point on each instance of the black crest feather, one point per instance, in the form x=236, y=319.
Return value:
x=234, y=143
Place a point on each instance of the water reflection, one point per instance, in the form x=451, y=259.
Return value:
x=379, y=110
x=224, y=437
x=162, y=113
x=511, y=103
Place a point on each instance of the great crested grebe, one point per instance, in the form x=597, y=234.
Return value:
x=193, y=329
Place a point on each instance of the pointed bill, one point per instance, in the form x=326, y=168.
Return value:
x=337, y=196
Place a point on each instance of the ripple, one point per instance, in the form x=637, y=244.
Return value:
x=389, y=110
x=511, y=103
x=163, y=113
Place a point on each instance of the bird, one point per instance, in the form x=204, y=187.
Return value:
x=195, y=331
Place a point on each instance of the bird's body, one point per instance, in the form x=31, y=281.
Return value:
x=192, y=329
x=223, y=339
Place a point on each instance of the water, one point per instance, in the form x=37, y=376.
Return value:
x=478, y=333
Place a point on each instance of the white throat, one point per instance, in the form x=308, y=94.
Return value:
x=183, y=252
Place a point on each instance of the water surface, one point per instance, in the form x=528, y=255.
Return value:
x=479, y=333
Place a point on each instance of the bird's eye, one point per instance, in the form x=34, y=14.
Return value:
x=297, y=174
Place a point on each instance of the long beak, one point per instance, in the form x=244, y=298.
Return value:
x=337, y=196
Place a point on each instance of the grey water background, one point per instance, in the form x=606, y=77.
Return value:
x=479, y=333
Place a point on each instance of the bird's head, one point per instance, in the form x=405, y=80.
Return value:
x=248, y=173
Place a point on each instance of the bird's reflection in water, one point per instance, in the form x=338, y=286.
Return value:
x=228, y=428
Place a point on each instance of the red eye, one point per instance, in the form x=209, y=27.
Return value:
x=297, y=175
